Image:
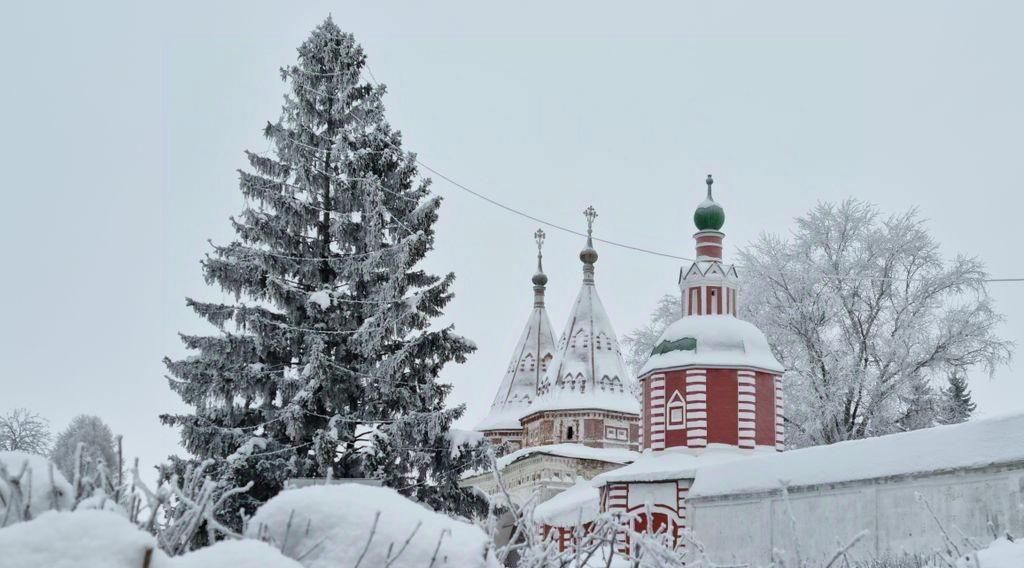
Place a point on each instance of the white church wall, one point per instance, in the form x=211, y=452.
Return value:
x=971, y=502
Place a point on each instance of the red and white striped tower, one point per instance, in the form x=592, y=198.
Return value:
x=711, y=389
x=712, y=379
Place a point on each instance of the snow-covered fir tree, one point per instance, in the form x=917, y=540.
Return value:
x=957, y=404
x=326, y=364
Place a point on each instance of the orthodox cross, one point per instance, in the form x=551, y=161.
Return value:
x=590, y=213
x=539, y=237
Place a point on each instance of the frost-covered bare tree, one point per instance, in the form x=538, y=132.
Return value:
x=97, y=443
x=25, y=431
x=641, y=340
x=864, y=311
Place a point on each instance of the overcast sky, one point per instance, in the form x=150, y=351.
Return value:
x=124, y=126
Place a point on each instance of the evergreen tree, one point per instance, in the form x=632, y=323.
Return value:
x=920, y=406
x=326, y=363
x=957, y=403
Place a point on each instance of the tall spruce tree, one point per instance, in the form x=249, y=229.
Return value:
x=957, y=404
x=326, y=363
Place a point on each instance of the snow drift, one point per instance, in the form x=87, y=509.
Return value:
x=336, y=525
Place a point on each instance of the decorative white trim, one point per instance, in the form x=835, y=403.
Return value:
x=676, y=402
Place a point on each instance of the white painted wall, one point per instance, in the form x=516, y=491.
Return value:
x=746, y=528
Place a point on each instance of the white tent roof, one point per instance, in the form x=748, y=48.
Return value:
x=518, y=388
x=588, y=371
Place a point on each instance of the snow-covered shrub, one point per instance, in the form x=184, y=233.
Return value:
x=185, y=512
x=29, y=486
x=349, y=525
x=82, y=539
x=101, y=539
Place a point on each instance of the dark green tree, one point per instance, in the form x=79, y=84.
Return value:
x=326, y=363
x=957, y=405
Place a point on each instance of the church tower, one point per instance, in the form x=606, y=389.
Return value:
x=711, y=392
x=584, y=397
x=529, y=362
x=711, y=379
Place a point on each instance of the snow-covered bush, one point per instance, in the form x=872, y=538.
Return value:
x=357, y=525
x=82, y=539
x=29, y=486
x=101, y=539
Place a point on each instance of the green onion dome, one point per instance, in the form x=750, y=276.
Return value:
x=709, y=215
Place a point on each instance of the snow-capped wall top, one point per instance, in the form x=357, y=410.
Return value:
x=530, y=359
x=711, y=341
x=673, y=463
x=578, y=504
x=587, y=370
x=972, y=444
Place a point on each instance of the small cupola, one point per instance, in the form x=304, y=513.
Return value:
x=709, y=215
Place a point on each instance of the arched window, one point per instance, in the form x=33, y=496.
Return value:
x=544, y=362
x=676, y=411
x=569, y=433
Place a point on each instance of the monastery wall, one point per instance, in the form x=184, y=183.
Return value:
x=746, y=528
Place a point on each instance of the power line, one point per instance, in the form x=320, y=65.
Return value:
x=563, y=228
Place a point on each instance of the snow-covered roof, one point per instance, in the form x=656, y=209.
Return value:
x=518, y=389
x=578, y=451
x=972, y=444
x=578, y=504
x=587, y=370
x=721, y=341
x=673, y=463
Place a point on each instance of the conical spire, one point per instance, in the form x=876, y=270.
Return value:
x=588, y=371
x=533, y=352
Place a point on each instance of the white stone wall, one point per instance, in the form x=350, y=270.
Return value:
x=747, y=528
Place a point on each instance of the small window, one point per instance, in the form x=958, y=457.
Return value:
x=568, y=433
x=676, y=410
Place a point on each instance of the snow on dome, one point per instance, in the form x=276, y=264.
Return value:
x=971, y=444
x=35, y=485
x=575, y=506
x=720, y=341
x=533, y=352
x=587, y=371
x=339, y=522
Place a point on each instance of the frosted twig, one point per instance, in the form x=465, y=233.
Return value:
x=373, y=531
